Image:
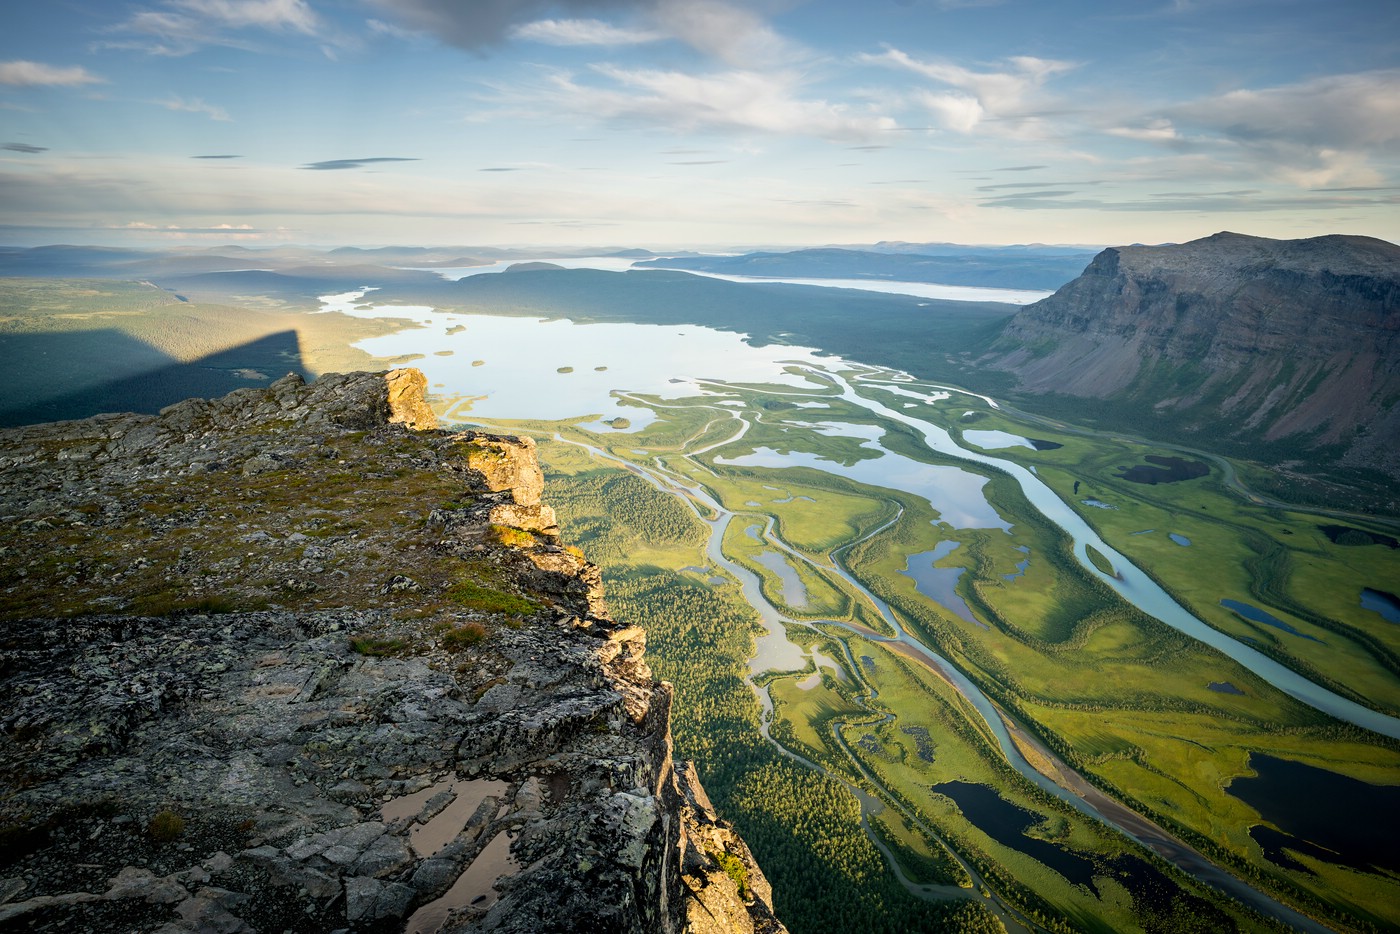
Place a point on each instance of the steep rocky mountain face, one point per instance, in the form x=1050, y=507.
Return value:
x=280, y=661
x=1231, y=338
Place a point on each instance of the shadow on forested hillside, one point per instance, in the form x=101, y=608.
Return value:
x=114, y=372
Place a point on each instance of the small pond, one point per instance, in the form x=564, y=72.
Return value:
x=1320, y=813
x=940, y=584
x=996, y=440
x=1382, y=602
x=1181, y=540
x=1164, y=470
x=1254, y=614
x=1020, y=565
x=1346, y=535
x=1007, y=824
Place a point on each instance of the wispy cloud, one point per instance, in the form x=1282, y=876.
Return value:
x=1319, y=132
x=24, y=147
x=331, y=165
x=582, y=32
x=727, y=101
x=729, y=32
x=176, y=231
x=734, y=35
x=181, y=27
x=295, y=15
x=1031, y=185
x=216, y=157
x=480, y=24
x=23, y=73
x=195, y=105
x=1249, y=201
x=1008, y=95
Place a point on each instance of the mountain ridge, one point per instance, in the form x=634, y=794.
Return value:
x=1230, y=338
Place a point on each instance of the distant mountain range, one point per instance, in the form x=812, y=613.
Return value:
x=1013, y=268
x=1292, y=345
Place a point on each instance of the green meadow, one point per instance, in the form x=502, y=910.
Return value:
x=1115, y=695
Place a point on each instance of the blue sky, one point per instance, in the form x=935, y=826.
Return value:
x=667, y=123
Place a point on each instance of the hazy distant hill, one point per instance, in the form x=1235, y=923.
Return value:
x=1008, y=270
x=1233, y=340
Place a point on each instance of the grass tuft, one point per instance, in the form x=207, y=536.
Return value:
x=473, y=596
x=166, y=827
x=460, y=637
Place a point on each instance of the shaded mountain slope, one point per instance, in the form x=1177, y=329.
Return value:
x=1230, y=341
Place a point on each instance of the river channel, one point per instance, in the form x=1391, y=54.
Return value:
x=609, y=353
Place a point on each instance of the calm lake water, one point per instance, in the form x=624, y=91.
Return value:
x=956, y=293
x=520, y=379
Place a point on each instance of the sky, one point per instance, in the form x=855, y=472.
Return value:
x=695, y=123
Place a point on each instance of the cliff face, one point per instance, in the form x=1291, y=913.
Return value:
x=1243, y=336
x=277, y=662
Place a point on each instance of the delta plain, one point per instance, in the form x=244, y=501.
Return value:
x=991, y=598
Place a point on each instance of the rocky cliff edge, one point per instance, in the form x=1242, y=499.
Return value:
x=279, y=662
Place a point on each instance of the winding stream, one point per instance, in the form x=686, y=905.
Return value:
x=597, y=351
x=1130, y=582
x=774, y=651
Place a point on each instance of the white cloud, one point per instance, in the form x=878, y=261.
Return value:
x=479, y=24
x=182, y=27
x=729, y=33
x=295, y=15
x=1314, y=133
x=1345, y=111
x=1159, y=130
x=953, y=111
x=1007, y=95
x=727, y=101
x=195, y=105
x=29, y=74
x=581, y=32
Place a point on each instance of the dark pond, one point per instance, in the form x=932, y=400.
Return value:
x=1254, y=614
x=1321, y=813
x=1157, y=897
x=1224, y=687
x=1041, y=445
x=1006, y=823
x=1346, y=535
x=923, y=743
x=1379, y=601
x=1167, y=470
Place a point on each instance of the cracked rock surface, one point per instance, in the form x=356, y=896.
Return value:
x=276, y=662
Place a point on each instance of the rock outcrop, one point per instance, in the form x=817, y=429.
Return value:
x=1231, y=337
x=275, y=662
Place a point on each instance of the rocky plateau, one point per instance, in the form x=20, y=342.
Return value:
x=298, y=660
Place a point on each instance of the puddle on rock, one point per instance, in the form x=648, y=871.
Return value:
x=474, y=888
x=439, y=821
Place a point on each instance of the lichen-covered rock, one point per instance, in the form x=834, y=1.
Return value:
x=408, y=404
x=267, y=666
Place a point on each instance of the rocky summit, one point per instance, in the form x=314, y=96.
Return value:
x=297, y=660
x=1231, y=338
